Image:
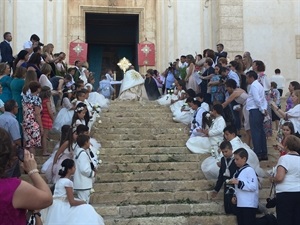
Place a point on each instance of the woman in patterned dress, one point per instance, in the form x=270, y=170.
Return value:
x=32, y=122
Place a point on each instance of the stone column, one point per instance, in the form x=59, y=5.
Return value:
x=231, y=31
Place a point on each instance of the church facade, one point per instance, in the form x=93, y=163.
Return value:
x=269, y=29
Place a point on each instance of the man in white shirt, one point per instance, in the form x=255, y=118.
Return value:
x=279, y=80
x=257, y=106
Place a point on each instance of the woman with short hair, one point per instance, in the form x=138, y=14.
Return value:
x=287, y=180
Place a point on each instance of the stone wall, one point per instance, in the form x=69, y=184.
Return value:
x=270, y=31
x=231, y=26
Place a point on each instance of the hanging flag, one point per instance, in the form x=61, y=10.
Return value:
x=146, y=54
x=78, y=51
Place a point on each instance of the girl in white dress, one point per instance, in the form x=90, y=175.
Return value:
x=46, y=167
x=65, y=208
x=80, y=116
x=181, y=96
x=171, y=95
x=209, y=138
x=65, y=151
x=197, y=121
x=65, y=114
x=184, y=114
x=95, y=98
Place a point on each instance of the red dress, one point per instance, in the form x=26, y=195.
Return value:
x=46, y=119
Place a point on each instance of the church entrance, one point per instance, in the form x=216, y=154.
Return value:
x=111, y=37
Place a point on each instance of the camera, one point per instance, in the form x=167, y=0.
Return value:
x=222, y=79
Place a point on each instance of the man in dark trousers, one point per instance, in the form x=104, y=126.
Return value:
x=6, y=50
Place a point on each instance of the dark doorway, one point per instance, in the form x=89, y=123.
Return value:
x=111, y=37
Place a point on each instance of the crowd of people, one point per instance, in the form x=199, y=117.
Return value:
x=214, y=96
x=238, y=92
x=40, y=94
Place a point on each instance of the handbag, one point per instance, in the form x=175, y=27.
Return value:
x=271, y=201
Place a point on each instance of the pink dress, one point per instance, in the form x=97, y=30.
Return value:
x=192, y=82
x=8, y=214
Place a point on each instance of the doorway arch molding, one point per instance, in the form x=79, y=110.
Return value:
x=113, y=10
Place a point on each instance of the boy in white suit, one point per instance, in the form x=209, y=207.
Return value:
x=246, y=189
x=85, y=169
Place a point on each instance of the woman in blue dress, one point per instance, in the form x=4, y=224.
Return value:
x=16, y=87
x=5, y=80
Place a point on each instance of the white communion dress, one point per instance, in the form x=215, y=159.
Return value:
x=202, y=145
x=96, y=98
x=60, y=212
x=166, y=99
x=210, y=168
x=64, y=116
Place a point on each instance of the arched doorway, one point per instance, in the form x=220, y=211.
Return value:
x=111, y=37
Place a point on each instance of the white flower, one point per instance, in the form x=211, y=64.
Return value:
x=172, y=91
x=92, y=191
x=207, y=115
x=99, y=161
x=99, y=121
x=173, y=84
x=98, y=152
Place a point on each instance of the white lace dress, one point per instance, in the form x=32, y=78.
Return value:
x=210, y=168
x=202, y=145
x=64, y=116
x=60, y=212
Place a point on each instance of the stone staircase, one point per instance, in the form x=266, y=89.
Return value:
x=148, y=176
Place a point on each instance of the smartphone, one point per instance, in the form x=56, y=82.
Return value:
x=20, y=153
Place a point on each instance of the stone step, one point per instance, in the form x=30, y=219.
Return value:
x=134, y=125
x=126, y=198
x=200, y=219
x=149, y=176
x=152, y=137
x=139, y=167
x=144, y=151
x=159, y=197
x=129, y=211
x=146, y=119
x=153, y=158
x=164, y=185
x=138, y=130
x=141, y=143
x=138, y=105
x=145, y=186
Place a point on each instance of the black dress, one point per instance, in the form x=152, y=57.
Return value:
x=151, y=88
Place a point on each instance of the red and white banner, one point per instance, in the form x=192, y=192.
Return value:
x=146, y=54
x=78, y=51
